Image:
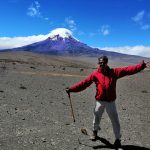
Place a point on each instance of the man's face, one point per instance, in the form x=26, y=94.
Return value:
x=102, y=63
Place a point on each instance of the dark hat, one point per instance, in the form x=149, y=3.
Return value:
x=105, y=58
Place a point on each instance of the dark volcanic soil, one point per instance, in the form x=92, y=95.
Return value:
x=35, y=113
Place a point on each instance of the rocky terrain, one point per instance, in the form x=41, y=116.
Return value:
x=35, y=113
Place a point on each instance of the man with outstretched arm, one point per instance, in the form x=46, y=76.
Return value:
x=105, y=79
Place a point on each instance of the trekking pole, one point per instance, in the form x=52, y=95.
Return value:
x=71, y=107
x=74, y=123
x=82, y=130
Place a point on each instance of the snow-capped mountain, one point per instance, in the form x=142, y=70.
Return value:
x=61, y=42
x=57, y=44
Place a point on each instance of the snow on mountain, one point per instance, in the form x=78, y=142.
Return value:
x=62, y=32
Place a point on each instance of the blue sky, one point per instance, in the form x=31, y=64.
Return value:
x=117, y=25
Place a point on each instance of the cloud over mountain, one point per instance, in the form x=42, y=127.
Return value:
x=8, y=42
x=139, y=50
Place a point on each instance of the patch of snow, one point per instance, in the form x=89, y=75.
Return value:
x=62, y=32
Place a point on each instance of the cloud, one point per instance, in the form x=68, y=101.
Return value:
x=139, y=50
x=141, y=18
x=34, y=9
x=105, y=30
x=70, y=23
x=46, y=18
x=7, y=42
x=145, y=27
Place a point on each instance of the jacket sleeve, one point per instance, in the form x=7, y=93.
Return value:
x=83, y=84
x=121, y=72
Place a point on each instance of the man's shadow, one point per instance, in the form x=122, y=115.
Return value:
x=111, y=146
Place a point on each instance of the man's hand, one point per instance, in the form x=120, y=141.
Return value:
x=148, y=64
x=67, y=90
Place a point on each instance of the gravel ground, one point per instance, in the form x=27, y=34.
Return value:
x=35, y=113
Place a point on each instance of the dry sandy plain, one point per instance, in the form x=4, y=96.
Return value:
x=35, y=113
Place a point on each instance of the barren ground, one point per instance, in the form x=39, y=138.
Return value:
x=35, y=113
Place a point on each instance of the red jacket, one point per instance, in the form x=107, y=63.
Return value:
x=106, y=82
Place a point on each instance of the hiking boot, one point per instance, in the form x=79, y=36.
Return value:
x=117, y=144
x=94, y=136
